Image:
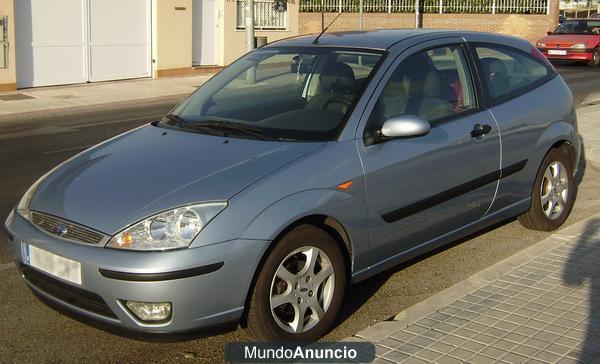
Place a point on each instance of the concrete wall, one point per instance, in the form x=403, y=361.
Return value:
x=8, y=76
x=172, y=37
x=530, y=27
x=234, y=41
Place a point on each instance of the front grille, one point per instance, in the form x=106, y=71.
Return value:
x=73, y=295
x=74, y=232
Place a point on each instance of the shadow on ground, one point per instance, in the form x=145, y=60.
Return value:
x=581, y=269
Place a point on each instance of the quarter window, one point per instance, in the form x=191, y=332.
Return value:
x=433, y=84
x=509, y=71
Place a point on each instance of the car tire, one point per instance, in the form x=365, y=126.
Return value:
x=595, y=62
x=286, y=283
x=553, y=193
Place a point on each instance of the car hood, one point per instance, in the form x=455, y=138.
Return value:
x=566, y=40
x=151, y=169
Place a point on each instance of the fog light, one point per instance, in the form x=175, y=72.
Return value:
x=150, y=311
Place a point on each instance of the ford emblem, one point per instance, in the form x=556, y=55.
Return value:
x=60, y=230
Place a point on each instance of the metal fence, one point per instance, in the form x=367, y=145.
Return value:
x=430, y=6
x=265, y=16
x=581, y=11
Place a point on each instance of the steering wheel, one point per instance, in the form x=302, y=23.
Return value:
x=337, y=100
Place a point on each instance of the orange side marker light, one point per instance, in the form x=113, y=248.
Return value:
x=344, y=186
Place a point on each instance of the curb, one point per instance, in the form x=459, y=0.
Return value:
x=409, y=316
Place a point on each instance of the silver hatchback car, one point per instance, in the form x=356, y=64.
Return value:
x=307, y=165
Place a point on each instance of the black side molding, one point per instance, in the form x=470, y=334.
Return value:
x=449, y=194
x=166, y=276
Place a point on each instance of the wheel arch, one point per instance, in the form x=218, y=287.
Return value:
x=569, y=148
x=325, y=222
x=560, y=135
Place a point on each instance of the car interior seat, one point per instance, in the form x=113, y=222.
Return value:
x=336, y=88
x=496, y=75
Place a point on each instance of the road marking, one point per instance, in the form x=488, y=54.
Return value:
x=39, y=131
x=7, y=266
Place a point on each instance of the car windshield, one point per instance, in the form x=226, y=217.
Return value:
x=291, y=93
x=579, y=27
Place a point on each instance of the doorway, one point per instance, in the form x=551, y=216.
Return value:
x=205, y=37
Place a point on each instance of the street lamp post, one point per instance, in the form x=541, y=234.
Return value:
x=322, y=16
x=418, y=22
x=249, y=25
x=362, y=20
x=251, y=73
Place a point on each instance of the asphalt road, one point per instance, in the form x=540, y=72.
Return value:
x=31, y=331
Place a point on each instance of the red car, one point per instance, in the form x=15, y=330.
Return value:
x=573, y=40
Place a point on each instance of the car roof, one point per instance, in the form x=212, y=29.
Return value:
x=381, y=39
x=374, y=39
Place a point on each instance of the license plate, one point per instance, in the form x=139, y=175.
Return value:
x=61, y=267
x=557, y=52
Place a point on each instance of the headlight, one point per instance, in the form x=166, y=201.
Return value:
x=540, y=45
x=579, y=46
x=23, y=206
x=171, y=229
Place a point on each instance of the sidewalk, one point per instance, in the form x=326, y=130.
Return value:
x=588, y=119
x=64, y=98
x=541, y=305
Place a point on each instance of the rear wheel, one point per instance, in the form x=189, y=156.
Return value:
x=595, y=62
x=300, y=288
x=552, y=197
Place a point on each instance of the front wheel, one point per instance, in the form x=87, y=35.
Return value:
x=300, y=288
x=553, y=194
x=595, y=62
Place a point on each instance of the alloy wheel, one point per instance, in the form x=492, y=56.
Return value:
x=302, y=289
x=554, y=190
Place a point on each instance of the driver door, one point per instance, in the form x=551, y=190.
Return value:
x=423, y=187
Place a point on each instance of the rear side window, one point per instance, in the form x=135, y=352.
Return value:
x=508, y=72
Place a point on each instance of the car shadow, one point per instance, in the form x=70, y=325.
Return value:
x=580, y=270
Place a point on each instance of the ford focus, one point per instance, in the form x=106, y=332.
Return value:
x=306, y=166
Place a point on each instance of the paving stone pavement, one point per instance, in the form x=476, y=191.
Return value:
x=541, y=305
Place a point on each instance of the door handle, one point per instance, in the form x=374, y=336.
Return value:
x=480, y=130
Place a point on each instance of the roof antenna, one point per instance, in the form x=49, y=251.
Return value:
x=316, y=41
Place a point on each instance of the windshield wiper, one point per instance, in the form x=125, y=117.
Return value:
x=213, y=126
x=216, y=124
x=225, y=125
x=173, y=120
x=178, y=120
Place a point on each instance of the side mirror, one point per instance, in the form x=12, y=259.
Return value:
x=549, y=33
x=405, y=126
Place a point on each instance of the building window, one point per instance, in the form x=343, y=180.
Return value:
x=266, y=15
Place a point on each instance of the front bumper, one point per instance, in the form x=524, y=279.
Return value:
x=570, y=55
x=207, y=286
